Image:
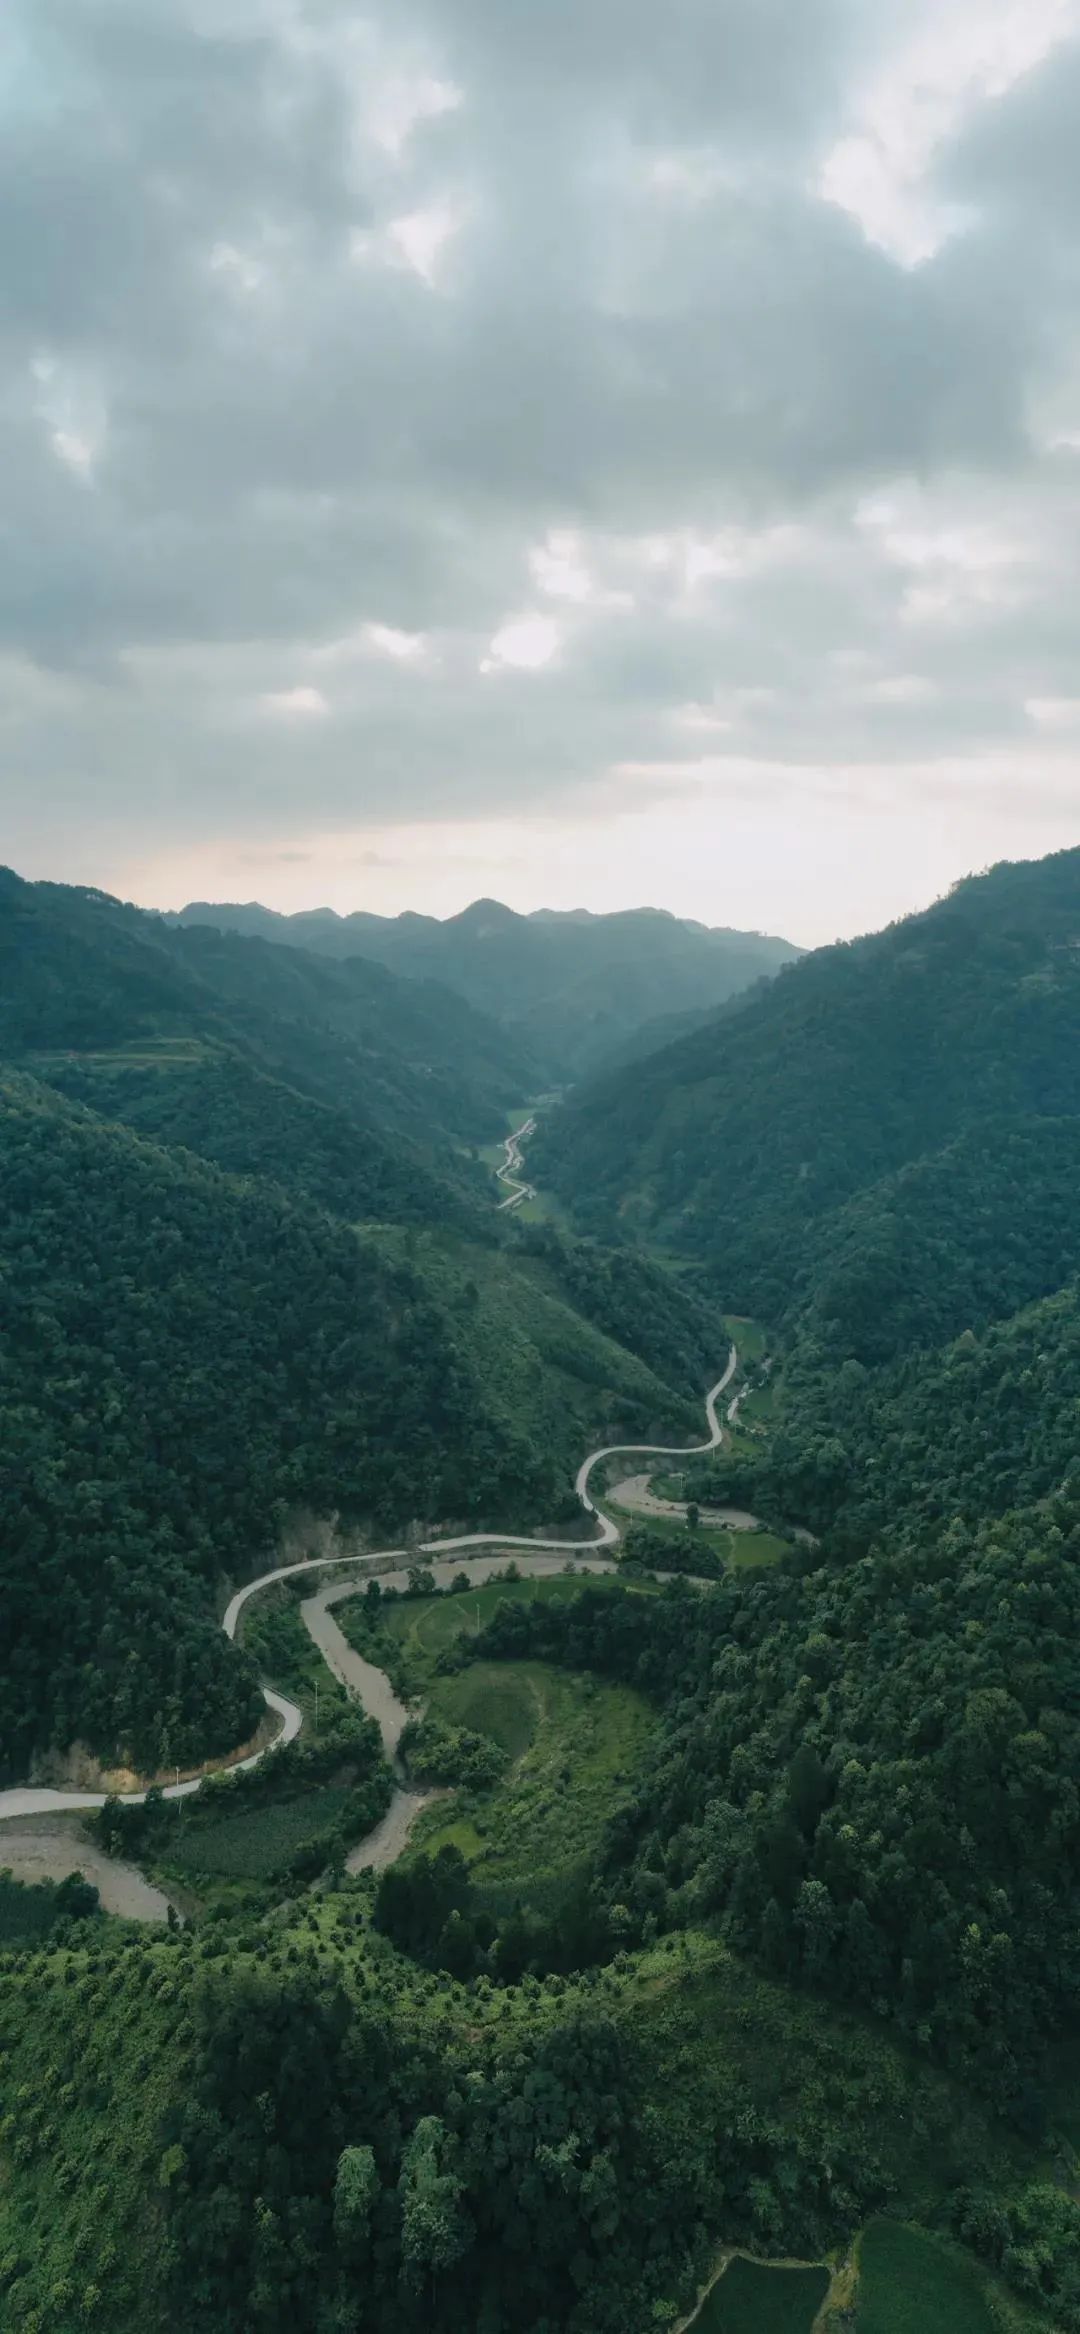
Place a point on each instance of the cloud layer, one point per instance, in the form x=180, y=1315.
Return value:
x=477, y=413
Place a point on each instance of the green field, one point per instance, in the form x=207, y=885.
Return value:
x=752, y=2299
x=759, y=1407
x=739, y=1551
x=910, y=2284
x=257, y=1841
x=751, y=1337
x=575, y=1745
x=416, y=1630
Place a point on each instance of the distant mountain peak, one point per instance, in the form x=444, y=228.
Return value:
x=484, y=917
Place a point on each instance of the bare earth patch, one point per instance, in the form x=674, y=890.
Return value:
x=36, y=1849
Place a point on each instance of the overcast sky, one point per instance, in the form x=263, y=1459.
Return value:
x=584, y=451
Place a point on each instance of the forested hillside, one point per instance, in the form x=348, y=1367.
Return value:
x=574, y=988
x=869, y=1773
x=364, y=1090
x=741, y=1143
x=185, y=1358
x=873, y=1777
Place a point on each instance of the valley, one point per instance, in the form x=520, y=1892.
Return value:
x=658, y=1892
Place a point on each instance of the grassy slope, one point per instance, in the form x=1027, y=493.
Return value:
x=574, y=1746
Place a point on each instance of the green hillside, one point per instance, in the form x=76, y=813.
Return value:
x=364, y=1090
x=739, y=1145
x=186, y=1359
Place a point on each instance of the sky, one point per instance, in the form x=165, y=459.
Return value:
x=585, y=452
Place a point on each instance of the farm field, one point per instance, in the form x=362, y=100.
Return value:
x=255, y=1842
x=751, y=2298
x=573, y=1744
x=910, y=2284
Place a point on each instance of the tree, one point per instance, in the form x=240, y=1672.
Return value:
x=435, y=2229
x=356, y=2186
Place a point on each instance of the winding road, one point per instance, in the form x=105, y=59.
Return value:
x=370, y=1686
x=514, y=1165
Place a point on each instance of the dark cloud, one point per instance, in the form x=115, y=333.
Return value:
x=248, y=406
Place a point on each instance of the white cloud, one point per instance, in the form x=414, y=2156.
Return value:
x=1055, y=713
x=239, y=268
x=73, y=412
x=902, y=689
x=299, y=704
x=416, y=242
x=400, y=104
x=368, y=640
x=953, y=59
x=523, y=644
x=559, y=568
x=689, y=174
x=402, y=647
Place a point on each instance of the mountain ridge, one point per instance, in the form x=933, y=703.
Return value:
x=573, y=986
